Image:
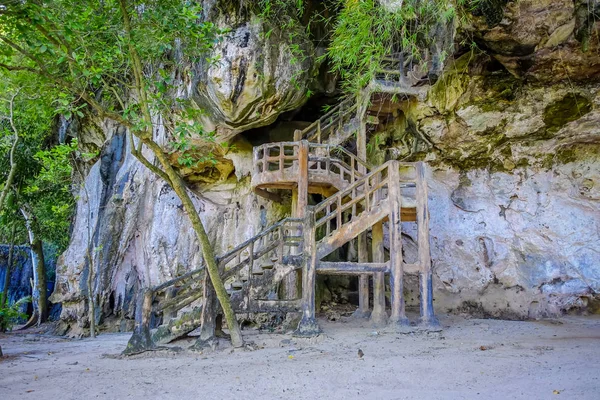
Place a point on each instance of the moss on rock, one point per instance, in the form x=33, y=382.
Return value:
x=570, y=108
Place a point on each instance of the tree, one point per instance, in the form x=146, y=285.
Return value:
x=36, y=188
x=118, y=60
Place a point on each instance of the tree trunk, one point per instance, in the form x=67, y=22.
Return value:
x=4, y=299
x=207, y=251
x=13, y=164
x=40, y=298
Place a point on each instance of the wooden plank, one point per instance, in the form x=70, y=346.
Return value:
x=350, y=230
x=351, y=268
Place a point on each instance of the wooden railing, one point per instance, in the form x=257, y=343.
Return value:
x=348, y=204
x=362, y=196
x=272, y=245
x=328, y=160
x=402, y=68
x=334, y=120
x=271, y=157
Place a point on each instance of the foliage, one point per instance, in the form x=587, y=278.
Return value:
x=82, y=49
x=48, y=193
x=43, y=175
x=11, y=314
x=365, y=33
x=121, y=60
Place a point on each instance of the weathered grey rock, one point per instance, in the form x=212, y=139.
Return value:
x=142, y=235
x=261, y=71
x=545, y=40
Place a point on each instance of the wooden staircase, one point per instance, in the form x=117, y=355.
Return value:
x=358, y=198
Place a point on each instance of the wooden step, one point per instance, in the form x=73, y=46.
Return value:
x=267, y=266
x=237, y=285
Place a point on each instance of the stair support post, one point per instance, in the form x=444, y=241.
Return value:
x=299, y=205
x=208, y=318
x=141, y=340
x=428, y=319
x=398, y=317
x=363, y=255
x=308, y=326
x=378, y=316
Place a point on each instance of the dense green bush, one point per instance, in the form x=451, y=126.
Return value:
x=11, y=314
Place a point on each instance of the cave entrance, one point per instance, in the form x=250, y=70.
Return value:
x=282, y=130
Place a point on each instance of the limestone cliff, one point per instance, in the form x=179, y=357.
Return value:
x=510, y=131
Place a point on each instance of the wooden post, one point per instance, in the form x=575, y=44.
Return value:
x=308, y=326
x=299, y=205
x=428, y=319
x=169, y=313
x=379, y=315
x=208, y=318
x=302, y=179
x=398, y=317
x=141, y=340
x=319, y=131
x=361, y=144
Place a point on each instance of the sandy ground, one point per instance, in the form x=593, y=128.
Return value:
x=470, y=359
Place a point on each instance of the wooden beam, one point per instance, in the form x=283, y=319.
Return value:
x=351, y=268
x=292, y=280
x=379, y=315
x=302, y=202
x=268, y=195
x=351, y=230
x=361, y=150
x=428, y=318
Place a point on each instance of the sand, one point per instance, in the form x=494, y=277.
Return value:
x=470, y=359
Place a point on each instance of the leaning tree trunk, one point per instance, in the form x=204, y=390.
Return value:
x=169, y=174
x=40, y=298
x=207, y=251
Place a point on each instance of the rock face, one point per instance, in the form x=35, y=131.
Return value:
x=512, y=138
x=261, y=70
x=141, y=236
x=544, y=40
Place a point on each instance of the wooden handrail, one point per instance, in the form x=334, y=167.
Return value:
x=319, y=130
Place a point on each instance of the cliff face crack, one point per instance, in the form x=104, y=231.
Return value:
x=241, y=80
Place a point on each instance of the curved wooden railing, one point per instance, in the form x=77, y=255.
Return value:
x=328, y=162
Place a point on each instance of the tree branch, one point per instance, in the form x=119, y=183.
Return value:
x=13, y=165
